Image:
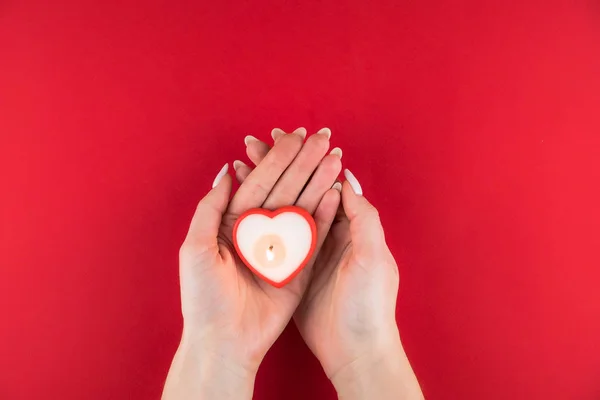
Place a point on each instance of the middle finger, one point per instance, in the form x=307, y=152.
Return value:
x=290, y=185
x=263, y=179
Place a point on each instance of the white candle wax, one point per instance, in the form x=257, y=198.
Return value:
x=274, y=247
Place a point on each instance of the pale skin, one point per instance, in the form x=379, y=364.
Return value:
x=343, y=302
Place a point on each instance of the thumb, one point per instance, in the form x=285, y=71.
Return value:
x=204, y=228
x=366, y=232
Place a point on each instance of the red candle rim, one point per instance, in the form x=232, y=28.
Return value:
x=272, y=214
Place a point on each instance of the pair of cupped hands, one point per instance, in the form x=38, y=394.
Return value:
x=343, y=302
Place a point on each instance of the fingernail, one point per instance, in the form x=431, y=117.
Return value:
x=237, y=164
x=337, y=186
x=220, y=175
x=301, y=132
x=353, y=182
x=248, y=139
x=337, y=152
x=325, y=131
x=277, y=133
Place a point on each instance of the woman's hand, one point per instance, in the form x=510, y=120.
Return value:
x=231, y=318
x=347, y=315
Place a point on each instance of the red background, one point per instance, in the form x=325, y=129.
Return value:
x=475, y=128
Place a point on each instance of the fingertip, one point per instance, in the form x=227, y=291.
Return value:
x=336, y=152
x=224, y=184
x=257, y=151
x=327, y=210
x=242, y=173
x=320, y=143
x=220, y=194
x=301, y=132
x=333, y=194
x=329, y=203
x=220, y=175
x=276, y=133
x=249, y=139
x=347, y=193
x=354, y=184
x=335, y=162
x=365, y=225
x=325, y=132
x=351, y=201
x=238, y=164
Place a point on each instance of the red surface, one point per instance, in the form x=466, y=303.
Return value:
x=272, y=214
x=473, y=126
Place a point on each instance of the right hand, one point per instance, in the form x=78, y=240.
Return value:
x=347, y=315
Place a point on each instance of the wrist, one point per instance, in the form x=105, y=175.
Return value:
x=202, y=372
x=381, y=372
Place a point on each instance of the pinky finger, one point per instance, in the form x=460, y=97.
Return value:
x=256, y=150
x=241, y=171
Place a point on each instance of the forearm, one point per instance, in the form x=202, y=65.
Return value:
x=381, y=375
x=198, y=374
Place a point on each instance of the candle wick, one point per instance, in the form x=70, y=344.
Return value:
x=270, y=255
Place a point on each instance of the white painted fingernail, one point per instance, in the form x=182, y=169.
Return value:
x=277, y=133
x=248, y=139
x=220, y=175
x=237, y=164
x=336, y=152
x=325, y=131
x=301, y=132
x=353, y=182
x=337, y=186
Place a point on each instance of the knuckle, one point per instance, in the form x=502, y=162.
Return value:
x=185, y=250
x=371, y=212
x=202, y=207
x=259, y=190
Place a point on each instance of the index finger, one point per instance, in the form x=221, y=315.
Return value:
x=257, y=186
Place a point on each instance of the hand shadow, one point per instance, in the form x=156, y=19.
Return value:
x=290, y=371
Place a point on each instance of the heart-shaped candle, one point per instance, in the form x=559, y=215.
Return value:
x=275, y=245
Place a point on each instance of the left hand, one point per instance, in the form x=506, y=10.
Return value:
x=231, y=318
